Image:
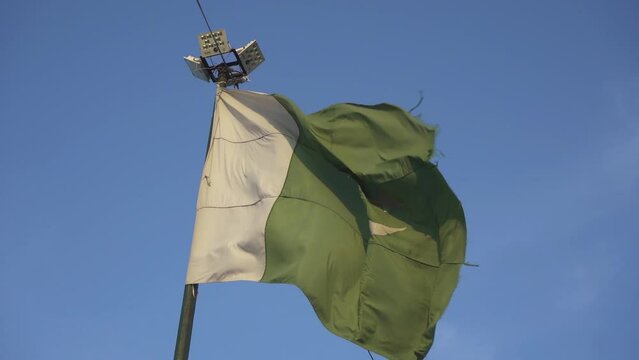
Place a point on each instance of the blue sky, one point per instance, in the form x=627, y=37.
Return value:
x=103, y=130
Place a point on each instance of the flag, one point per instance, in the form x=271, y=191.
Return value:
x=343, y=203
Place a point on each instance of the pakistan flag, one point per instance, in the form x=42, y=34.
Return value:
x=343, y=203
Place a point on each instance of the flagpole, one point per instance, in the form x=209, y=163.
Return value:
x=189, y=299
x=183, y=342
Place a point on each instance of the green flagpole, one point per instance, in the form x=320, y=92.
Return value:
x=185, y=328
x=183, y=342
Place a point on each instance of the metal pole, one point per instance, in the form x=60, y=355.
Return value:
x=183, y=342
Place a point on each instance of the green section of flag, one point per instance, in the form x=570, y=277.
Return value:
x=353, y=164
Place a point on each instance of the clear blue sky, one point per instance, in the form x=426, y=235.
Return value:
x=103, y=130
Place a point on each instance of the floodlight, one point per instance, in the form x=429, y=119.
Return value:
x=198, y=69
x=250, y=56
x=233, y=69
x=214, y=43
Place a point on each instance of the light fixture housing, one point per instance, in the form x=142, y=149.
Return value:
x=250, y=56
x=233, y=69
x=214, y=43
x=198, y=69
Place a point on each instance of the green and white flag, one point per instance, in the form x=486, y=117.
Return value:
x=344, y=204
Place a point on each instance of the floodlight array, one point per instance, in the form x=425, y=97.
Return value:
x=229, y=72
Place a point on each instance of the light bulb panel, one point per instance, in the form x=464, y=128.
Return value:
x=214, y=43
x=250, y=56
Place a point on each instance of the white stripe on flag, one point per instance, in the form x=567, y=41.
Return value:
x=252, y=145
